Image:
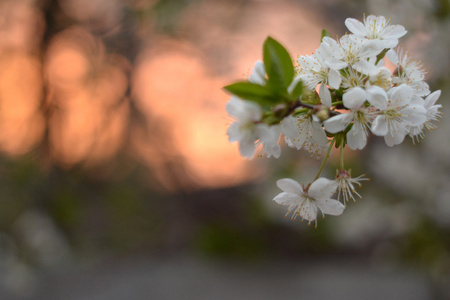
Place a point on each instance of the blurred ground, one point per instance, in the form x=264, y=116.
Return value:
x=194, y=278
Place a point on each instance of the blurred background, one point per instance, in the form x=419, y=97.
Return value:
x=117, y=180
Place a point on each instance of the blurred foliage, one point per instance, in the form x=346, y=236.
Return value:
x=442, y=9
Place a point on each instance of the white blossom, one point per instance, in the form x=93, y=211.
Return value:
x=396, y=114
x=378, y=29
x=409, y=71
x=248, y=131
x=381, y=79
x=304, y=132
x=316, y=69
x=432, y=115
x=360, y=115
x=355, y=52
x=305, y=202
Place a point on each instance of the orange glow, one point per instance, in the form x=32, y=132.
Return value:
x=176, y=83
x=88, y=123
x=21, y=125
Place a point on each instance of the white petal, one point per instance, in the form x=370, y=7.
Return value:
x=234, y=132
x=338, y=123
x=365, y=67
x=401, y=95
x=325, y=95
x=322, y=188
x=421, y=88
x=247, y=147
x=389, y=139
x=289, y=185
x=354, y=98
x=330, y=207
x=380, y=126
x=355, y=27
x=334, y=46
x=272, y=149
x=287, y=199
x=270, y=141
x=308, y=211
x=432, y=98
x=334, y=79
x=370, y=48
x=394, y=32
x=388, y=43
x=329, y=57
x=392, y=56
x=356, y=137
x=289, y=127
x=377, y=97
x=253, y=111
x=234, y=107
x=318, y=134
x=336, y=64
x=415, y=100
x=260, y=69
x=414, y=115
x=266, y=133
x=255, y=78
x=259, y=73
x=396, y=138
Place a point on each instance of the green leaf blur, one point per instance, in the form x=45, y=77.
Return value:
x=278, y=63
x=253, y=92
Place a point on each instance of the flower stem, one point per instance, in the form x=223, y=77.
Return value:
x=325, y=158
x=308, y=107
x=342, y=154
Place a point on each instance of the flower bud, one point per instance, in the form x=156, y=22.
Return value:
x=279, y=109
x=322, y=112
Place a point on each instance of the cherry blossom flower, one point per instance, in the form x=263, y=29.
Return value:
x=306, y=201
x=352, y=78
x=249, y=131
x=314, y=70
x=409, y=71
x=360, y=115
x=358, y=53
x=378, y=29
x=432, y=114
x=304, y=132
x=396, y=114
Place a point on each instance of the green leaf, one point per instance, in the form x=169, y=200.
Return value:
x=341, y=138
x=325, y=33
x=297, y=91
x=310, y=97
x=253, y=92
x=278, y=64
x=381, y=55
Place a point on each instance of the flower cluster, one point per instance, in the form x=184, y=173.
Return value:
x=335, y=97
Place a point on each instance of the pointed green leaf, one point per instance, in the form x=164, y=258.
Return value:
x=381, y=55
x=278, y=63
x=297, y=92
x=325, y=33
x=253, y=92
